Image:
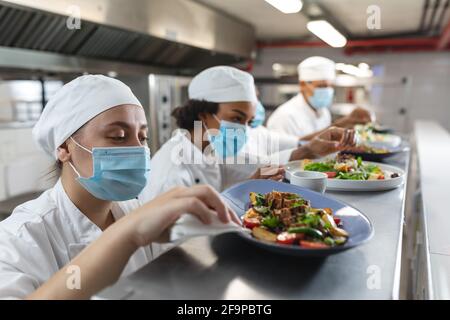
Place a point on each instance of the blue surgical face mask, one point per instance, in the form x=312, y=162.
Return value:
x=119, y=173
x=322, y=98
x=230, y=140
x=260, y=115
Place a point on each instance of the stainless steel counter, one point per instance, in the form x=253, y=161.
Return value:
x=227, y=267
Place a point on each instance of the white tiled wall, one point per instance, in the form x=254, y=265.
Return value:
x=425, y=94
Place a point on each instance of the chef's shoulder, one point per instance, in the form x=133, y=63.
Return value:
x=30, y=217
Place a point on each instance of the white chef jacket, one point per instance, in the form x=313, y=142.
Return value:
x=45, y=234
x=296, y=117
x=263, y=142
x=180, y=163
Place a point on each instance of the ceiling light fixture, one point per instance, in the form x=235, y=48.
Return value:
x=327, y=33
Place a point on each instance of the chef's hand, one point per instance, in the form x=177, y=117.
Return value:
x=152, y=220
x=357, y=116
x=331, y=140
x=269, y=172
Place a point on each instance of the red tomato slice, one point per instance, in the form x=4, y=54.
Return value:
x=381, y=178
x=313, y=245
x=250, y=223
x=337, y=220
x=331, y=174
x=289, y=238
x=286, y=238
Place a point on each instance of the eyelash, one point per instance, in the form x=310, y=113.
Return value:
x=123, y=138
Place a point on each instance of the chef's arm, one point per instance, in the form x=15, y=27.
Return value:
x=311, y=136
x=357, y=116
x=302, y=152
x=102, y=262
x=328, y=141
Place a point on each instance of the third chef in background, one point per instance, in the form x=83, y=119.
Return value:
x=307, y=114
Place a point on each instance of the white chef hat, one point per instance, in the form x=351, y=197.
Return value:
x=75, y=104
x=223, y=84
x=316, y=68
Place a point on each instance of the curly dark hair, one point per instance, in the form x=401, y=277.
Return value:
x=189, y=112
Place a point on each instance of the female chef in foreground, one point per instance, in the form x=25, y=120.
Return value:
x=214, y=125
x=81, y=235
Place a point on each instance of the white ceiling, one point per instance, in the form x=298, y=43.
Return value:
x=397, y=16
x=269, y=22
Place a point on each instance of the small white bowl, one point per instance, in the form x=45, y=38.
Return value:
x=316, y=181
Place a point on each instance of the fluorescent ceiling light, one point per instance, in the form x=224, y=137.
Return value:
x=326, y=32
x=286, y=6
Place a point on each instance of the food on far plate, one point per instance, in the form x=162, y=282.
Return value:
x=288, y=219
x=347, y=167
x=363, y=148
x=368, y=134
x=374, y=127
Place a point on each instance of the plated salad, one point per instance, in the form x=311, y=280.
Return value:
x=347, y=167
x=288, y=219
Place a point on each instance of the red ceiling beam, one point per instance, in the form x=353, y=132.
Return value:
x=399, y=42
x=366, y=50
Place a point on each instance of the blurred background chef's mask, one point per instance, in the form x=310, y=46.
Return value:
x=260, y=115
x=230, y=139
x=321, y=98
x=119, y=173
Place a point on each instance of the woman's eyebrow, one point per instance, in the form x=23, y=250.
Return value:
x=125, y=125
x=120, y=124
x=240, y=112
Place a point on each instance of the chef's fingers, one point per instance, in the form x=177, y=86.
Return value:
x=211, y=198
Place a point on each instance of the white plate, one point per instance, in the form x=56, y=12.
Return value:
x=357, y=185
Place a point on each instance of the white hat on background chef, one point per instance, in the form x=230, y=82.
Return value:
x=317, y=68
x=223, y=84
x=75, y=104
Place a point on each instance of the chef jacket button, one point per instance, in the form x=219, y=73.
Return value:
x=197, y=180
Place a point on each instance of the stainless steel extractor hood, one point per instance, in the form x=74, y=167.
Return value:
x=175, y=34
